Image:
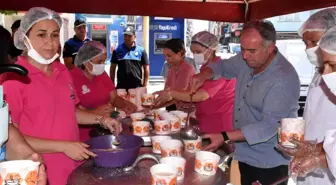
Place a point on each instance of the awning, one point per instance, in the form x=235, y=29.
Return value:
x=216, y=10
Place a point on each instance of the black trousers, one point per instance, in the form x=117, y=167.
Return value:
x=128, y=86
x=250, y=174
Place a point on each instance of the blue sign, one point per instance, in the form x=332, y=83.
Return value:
x=139, y=30
x=159, y=32
x=114, y=32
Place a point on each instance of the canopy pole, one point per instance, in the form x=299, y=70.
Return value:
x=145, y=32
x=246, y=10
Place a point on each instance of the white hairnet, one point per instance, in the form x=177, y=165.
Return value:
x=33, y=16
x=322, y=20
x=206, y=39
x=89, y=51
x=328, y=41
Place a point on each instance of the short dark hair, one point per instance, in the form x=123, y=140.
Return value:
x=5, y=38
x=175, y=44
x=16, y=24
x=265, y=28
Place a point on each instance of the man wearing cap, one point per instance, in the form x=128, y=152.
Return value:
x=72, y=46
x=13, y=51
x=131, y=59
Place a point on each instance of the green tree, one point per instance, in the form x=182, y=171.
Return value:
x=8, y=12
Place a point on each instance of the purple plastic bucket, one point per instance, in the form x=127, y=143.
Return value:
x=129, y=144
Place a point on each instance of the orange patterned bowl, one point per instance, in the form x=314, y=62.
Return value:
x=164, y=174
x=156, y=140
x=162, y=127
x=137, y=116
x=175, y=123
x=170, y=148
x=141, y=128
x=193, y=146
x=182, y=115
x=206, y=163
x=147, y=99
x=178, y=162
x=23, y=172
x=291, y=127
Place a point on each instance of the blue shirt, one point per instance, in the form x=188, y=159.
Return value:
x=130, y=62
x=72, y=46
x=261, y=101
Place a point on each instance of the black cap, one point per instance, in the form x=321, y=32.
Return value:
x=16, y=24
x=79, y=22
x=129, y=30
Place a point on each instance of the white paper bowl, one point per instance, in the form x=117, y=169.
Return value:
x=141, y=128
x=193, y=146
x=175, y=123
x=171, y=148
x=178, y=162
x=162, y=127
x=156, y=140
x=163, y=174
x=137, y=116
x=292, y=127
x=147, y=99
x=206, y=163
x=23, y=172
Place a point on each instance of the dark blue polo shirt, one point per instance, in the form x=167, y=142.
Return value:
x=72, y=46
x=130, y=62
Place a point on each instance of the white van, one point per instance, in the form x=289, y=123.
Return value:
x=294, y=51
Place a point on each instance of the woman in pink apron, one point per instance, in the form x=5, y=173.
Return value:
x=43, y=105
x=215, y=100
x=94, y=87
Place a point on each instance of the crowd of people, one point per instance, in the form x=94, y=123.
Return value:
x=238, y=101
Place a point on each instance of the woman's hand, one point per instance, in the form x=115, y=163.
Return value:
x=103, y=110
x=129, y=107
x=42, y=175
x=163, y=97
x=112, y=124
x=77, y=151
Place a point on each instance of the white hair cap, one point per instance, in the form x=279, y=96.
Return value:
x=206, y=39
x=89, y=51
x=322, y=20
x=33, y=16
x=328, y=41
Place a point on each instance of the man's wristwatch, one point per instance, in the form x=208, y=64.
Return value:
x=226, y=137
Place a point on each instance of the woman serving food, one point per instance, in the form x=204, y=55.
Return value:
x=214, y=101
x=95, y=89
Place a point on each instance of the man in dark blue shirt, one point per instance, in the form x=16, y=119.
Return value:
x=72, y=46
x=131, y=59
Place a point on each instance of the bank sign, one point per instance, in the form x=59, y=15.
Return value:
x=163, y=27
